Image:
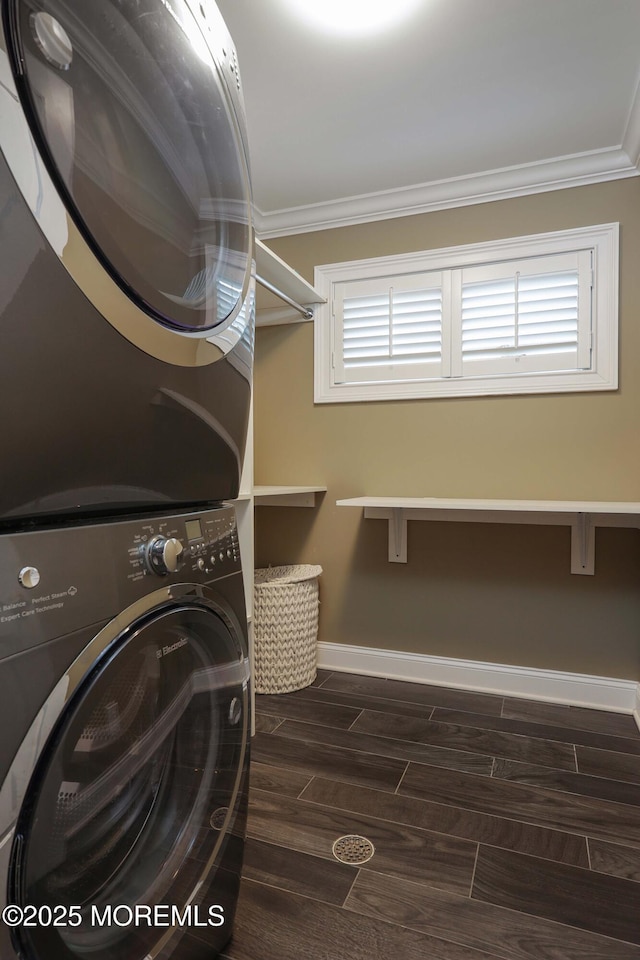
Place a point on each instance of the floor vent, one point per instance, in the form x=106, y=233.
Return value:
x=353, y=849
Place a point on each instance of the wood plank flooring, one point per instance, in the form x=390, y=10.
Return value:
x=503, y=829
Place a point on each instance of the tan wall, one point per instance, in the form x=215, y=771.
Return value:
x=502, y=594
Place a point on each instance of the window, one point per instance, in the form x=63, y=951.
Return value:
x=534, y=314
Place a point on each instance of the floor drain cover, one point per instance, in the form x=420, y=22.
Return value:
x=353, y=849
x=218, y=817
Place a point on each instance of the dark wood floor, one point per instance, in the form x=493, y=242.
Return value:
x=504, y=829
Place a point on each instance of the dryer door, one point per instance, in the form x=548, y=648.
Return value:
x=137, y=796
x=135, y=110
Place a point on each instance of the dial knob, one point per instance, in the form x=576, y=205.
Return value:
x=29, y=577
x=164, y=555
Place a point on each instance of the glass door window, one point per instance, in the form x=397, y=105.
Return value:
x=132, y=114
x=133, y=798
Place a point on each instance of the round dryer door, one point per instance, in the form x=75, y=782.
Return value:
x=135, y=109
x=134, y=799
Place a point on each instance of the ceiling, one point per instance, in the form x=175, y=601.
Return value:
x=463, y=101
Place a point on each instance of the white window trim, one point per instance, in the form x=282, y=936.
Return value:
x=603, y=239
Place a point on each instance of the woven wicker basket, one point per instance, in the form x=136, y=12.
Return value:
x=285, y=616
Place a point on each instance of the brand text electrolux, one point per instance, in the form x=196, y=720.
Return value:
x=171, y=647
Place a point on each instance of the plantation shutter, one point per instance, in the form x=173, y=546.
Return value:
x=526, y=316
x=388, y=328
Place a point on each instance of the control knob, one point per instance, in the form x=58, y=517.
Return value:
x=29, y=577
x=163, y=555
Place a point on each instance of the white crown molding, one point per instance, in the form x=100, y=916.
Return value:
x=597, y=166
x=578, y=689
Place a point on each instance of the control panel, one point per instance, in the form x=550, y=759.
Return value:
x=57, y=580
x=212, y=544
x=199, y=544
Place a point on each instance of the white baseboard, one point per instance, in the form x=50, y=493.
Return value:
x=636, y=711
x=577, y=689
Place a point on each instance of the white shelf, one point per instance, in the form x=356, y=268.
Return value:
x=280, y=496
x=582, y=516
x=280, y=275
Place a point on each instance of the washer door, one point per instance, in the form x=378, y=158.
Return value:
x=134, y=797
x=142, y=138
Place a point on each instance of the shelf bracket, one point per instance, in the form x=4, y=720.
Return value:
x=397, y=529
x=398, y=536
x=583, y=544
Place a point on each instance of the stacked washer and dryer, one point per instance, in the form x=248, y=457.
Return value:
x=126, y=338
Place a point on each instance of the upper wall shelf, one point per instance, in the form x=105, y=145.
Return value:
x=582, y=516
x=278, y=277
x=286, y=496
